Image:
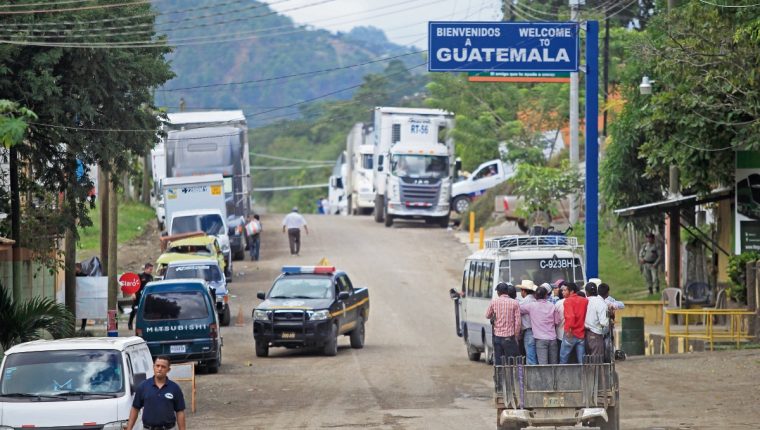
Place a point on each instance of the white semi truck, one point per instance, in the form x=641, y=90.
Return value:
x=360, y=152
x=413, y=164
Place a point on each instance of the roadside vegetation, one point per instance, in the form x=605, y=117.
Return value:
x=132, y=221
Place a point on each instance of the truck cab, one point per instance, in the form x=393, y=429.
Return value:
x=414, y=165
x=310, y=306
x=209, y=221
x=485, y=177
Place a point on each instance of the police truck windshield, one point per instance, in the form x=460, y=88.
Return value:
x=541, y=270
x=68, y=375
x=207, y=272
x=302, y=287
x=420, y=166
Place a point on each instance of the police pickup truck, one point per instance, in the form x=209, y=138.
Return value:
x=310, y=306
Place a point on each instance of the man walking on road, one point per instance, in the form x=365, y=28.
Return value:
x=253, y=230
x=145, y=277
x=649, y=259
x=505, y=313
x=160, y=399
x=292, y=223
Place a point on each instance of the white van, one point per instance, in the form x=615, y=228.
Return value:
x=79, y=383
x=509, y=259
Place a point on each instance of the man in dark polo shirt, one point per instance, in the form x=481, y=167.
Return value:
x=160, y=399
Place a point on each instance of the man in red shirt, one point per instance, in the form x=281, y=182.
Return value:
x=575, y=320
x=505, y=313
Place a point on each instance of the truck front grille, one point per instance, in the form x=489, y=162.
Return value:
x=420, y=193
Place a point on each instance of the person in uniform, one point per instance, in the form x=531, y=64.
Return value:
x=161, y=401
x=649, y=259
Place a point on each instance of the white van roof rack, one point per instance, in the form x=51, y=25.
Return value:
x=515, y=241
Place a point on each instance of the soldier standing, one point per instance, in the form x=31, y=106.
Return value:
x=649, y=259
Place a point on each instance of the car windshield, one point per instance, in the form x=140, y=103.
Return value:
x=302, y=287
x=175, y=305
x=207, y=272
x=541, y=270
x=55, y=373
x=419, y=166
x=210, y=224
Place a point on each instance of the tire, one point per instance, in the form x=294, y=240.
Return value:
x=226, y=316
x=239, y=255
x=262, y=349
x=444, y=222
x=357, y=335
x=461, y=204
x=379, y=204
x=331, y=347
x=472, y=353
x=388, y=220
x=212, y=366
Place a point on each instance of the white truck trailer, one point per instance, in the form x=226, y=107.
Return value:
x=413, y=164
x=359, y=178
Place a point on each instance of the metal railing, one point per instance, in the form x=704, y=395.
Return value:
x=515, y=241
x=736, y=329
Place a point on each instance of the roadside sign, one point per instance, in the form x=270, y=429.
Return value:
x=503, y=46
x=129, y=282
x=551, y=77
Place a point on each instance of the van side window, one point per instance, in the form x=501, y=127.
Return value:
x=471, y=278
x=464, y=277
x=504, y=272
x=488, y=283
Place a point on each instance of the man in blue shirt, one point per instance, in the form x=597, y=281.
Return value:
x=160, y=399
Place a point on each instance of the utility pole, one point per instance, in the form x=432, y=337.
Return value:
x=145, y=193
x=15, y=224
x=113, y=284
x=574, y=95
x=70, y=248
x=103, y=197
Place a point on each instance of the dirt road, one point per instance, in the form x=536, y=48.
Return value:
x=413, y=372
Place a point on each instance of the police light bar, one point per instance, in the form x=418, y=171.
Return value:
x=308, y=269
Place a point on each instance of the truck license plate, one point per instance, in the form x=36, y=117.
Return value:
x=177, y=349
x=288, y=335
x=554, y=401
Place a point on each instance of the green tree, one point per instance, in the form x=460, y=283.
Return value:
x=24, y=321
x=14, y=121
x=542, y=187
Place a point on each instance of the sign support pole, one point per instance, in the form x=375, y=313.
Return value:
x=592, y=149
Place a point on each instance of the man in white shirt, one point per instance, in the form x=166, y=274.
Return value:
x=292, y=224
x=597, y=321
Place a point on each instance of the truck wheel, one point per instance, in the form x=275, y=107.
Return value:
x=226, y=316
x=357, y=335
x=262, y=349
x=379, y=204
x=239, y=255
x=388, y=220
x=331, y=347
x=461, y=204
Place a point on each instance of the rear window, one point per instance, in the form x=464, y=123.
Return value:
x=207, y=272
x=211, y=224
x=175, y=305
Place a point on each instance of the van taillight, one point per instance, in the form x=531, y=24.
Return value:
x=138, y=332
x=212, y=330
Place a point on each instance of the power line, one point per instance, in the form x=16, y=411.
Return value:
x=74, y=9
x=11, y=6
x=321, y=166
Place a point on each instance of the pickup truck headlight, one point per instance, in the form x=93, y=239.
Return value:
x=320, y=315
x=116, y=425
x=261, y=315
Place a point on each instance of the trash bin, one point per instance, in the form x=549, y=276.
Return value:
x=632, y=336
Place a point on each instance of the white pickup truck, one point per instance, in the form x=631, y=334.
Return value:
x=486, y=176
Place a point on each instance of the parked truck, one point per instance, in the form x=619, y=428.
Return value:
x=485, y=177
x=336, y=190
x=197, y=203
x=413, y=164
x=216, y=142
x=359, y=177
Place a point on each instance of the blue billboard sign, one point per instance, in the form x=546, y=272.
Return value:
x=503, y=46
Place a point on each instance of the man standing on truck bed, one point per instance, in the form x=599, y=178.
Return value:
x=292, y=223
x=506, y=314
x=575, y=320
x=596, y=322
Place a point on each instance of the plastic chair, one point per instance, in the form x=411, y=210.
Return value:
x=720, y=303
x=697, y=293
x=671, y=298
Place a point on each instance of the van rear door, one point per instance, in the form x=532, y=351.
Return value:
x=177, y=322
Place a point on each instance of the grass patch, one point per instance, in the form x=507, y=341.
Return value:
x=132, y=220
x=617, y=269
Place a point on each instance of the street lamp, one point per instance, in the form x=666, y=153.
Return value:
x=645, y=88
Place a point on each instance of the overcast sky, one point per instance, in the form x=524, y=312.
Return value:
x=404, y=21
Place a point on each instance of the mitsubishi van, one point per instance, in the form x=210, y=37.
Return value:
x=72, y=383
x=178, y=319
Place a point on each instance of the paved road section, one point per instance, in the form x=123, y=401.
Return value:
x=413, y=372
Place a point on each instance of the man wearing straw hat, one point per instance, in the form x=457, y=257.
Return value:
x=528, y=288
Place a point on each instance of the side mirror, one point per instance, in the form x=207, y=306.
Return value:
x=137, y=379
x=458, y=164
x=379, y=163
x=261, y=296
x=343, y=295
x=454, y=294
x=339, y=183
